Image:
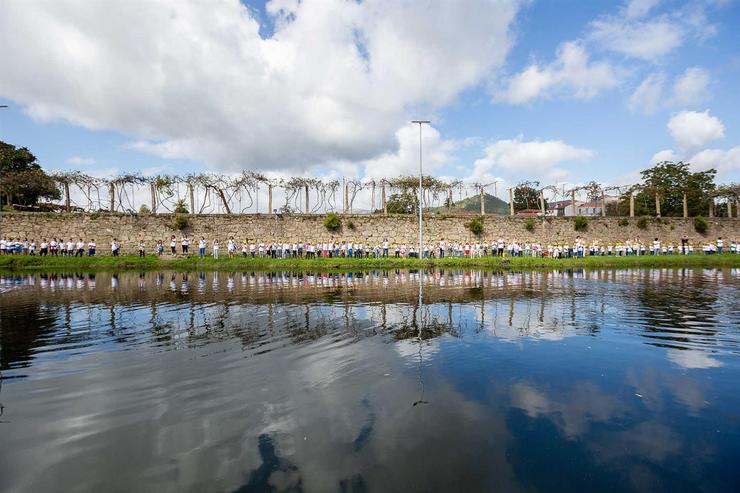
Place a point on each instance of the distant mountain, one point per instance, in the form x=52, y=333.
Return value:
x=472, y=204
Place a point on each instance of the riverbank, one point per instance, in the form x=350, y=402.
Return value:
x=151, y=262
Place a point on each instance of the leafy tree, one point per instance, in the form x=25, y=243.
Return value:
x=402, y=203
x=22, y=181
x=671, y=180
x=526, y=196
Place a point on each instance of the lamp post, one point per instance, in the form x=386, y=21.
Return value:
x=421, y=190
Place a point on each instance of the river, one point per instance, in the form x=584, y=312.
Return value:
x=441, y=380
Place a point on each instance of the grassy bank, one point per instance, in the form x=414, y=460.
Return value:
x=151, y=262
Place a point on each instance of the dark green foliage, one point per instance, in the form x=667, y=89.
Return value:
x=332, y=222
x=701, y=225
x=642, y=222
x=670, y=181
x=526, y=196
x=529, y=225
x=22, y=181
x=350, y=225
x=475, y=225
x=144, y=209
x=581, y=223
x=623, y=222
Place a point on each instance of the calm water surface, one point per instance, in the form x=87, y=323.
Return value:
x=615, y=380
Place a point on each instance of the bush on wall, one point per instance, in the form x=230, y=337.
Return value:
x=475, y=225
x=332, y=222
x=700, y=225
x=581, y=223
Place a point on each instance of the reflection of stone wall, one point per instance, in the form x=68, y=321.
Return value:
x=370, y=229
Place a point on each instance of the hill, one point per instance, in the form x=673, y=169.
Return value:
x=472, y=205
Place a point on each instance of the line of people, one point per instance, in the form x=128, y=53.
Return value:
x=349, y=248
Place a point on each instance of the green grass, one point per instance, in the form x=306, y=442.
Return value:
x=152, y=262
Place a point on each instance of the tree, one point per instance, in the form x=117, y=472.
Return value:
x=402, y=203
x=22, y=181
x=527, y=196
x=670, y=181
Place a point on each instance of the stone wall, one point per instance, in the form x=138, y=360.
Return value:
x=369, y=229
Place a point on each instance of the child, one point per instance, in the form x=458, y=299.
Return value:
x=160, y=248
x=215, y=248
x=91, y=248
x=141, y=248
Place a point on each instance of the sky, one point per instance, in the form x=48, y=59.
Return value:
x=558, y=91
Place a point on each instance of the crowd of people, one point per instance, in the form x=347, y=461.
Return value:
x=349, y=248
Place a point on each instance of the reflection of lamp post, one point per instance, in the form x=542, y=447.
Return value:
x=1, y=202
x=421, y=191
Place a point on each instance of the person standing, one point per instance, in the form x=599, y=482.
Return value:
x=173, y=244
x=114, y=246
x=141, y=248
x=202, y=247
x=215, y=248
x=720, y=245
x=185, y=244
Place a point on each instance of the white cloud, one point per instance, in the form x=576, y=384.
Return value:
x=533, y=159
x=664, y=155
x=648, y=96
x=196, y=80
x=405, y=161
x=726, y=162
x=646, y=40
x=634, y=34
x=79, y=161
x=693, y=129
x=572, y=73
x=691, y=87
x=639, y=8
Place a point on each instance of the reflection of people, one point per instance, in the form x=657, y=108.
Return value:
x=275, y=474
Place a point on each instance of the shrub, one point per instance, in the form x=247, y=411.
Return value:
x=624, y=222
x=529, y=225
x=701, y=225
x=332, y=221
x=581, y=223
x=642, y=222
x=180, y=223
x=180, y=207
x=144, y=209
x=475, y=225
x=351, y=225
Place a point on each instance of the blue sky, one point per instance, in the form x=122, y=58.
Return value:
x=557, y=91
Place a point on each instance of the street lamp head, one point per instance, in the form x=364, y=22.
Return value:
x=3, y=105
x=421, y=121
